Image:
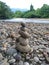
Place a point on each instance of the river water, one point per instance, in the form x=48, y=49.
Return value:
x=27, y=20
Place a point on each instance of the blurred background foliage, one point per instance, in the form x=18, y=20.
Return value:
x=7, y=13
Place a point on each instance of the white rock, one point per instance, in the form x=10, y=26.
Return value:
x=12, y=61
x=20, y=63
x=26, y=63
x=47, y=50
x=36, y=59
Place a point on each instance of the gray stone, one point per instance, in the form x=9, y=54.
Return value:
x=11, y=51
x=43, y=64
x=8, y=45
x=23, y=48
x=12, y=35
x=17, y=57
x=42, y=47
x=36, y=59
x=4, y=62
x=20, y=63
x=35, y=47
x=23, y=41
x=11, y=61
x=41, y=50
x=1, y=57
x=31, y=64
x=47, y=58
x=24, y=29
x=42, y=59
x=47, y=50
x=23, y=24
x=14, y=54
x=26, y=63
x=3, y=49
x=43, y=42
x=27, y=57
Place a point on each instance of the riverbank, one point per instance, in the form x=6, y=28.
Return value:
x=39, y=41
x=34, y=20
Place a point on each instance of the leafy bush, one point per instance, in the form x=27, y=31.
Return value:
x=5, y=11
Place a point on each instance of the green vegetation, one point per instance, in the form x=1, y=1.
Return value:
x=18, y=14
x=42, y=12
x=6, y=13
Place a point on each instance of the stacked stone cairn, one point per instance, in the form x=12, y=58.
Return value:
x=22, y=40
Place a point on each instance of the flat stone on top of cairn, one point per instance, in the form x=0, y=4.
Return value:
x=22, y=44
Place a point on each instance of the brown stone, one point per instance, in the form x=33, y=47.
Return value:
x=23, y=41
x=23, y=48
x=47, y=59
x=24, y=34
x=24, y=29
x=23, y=24
x=12, y=35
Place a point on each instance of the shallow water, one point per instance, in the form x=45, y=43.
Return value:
x=27, y=20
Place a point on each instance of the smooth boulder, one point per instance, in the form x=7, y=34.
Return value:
x=23, y=48
x=24, y=34
x=23, y=41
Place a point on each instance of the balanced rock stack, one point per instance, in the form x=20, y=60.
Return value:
x=22, y=41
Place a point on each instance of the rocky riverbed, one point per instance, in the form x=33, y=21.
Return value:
x=39, y=42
